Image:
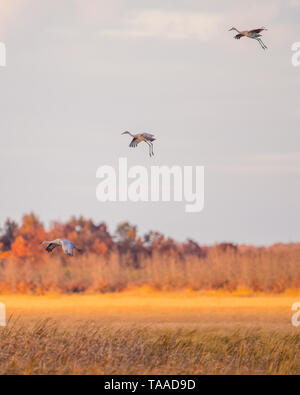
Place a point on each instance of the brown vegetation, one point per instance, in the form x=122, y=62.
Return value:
x=149, y=333
x=124, y=260
x=44, y=349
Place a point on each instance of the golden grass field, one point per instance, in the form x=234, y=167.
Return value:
x=147, y=332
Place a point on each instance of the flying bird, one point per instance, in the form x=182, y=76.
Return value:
x=67, y=246
x=139, y=138
x=254, y=34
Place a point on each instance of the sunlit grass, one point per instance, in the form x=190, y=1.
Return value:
x=146, y=332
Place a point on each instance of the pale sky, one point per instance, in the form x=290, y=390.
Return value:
x=80, y=72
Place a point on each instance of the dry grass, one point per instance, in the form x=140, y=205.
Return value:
x=271, y=270
x=93, y=349
x=142, y=332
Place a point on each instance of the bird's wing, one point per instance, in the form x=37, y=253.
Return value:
x=51, y=247
x=256, y=31
x=148, y=135
x=68, y=248
x=238, y=36
x=134, y=143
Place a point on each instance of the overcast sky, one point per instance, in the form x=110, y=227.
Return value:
x=80, y=72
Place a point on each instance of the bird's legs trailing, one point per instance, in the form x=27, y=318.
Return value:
x=149, y=145
x=264, y=47
x=260, y=43
x=152, y=149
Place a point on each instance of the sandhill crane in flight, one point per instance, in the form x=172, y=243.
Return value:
x=139, y=138
x=67, y=246
x=254, y=34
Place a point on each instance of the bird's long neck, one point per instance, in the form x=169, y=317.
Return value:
x=236, y=30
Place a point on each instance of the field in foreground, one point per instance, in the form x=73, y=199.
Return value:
x=142, y=332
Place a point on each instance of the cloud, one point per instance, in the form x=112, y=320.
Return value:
x=167, y=25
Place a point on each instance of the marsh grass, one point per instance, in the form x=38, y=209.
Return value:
x=146, y=332
x=89, y=348
x=271, y=271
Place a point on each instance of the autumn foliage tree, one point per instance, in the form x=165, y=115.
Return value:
x=111, y=262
